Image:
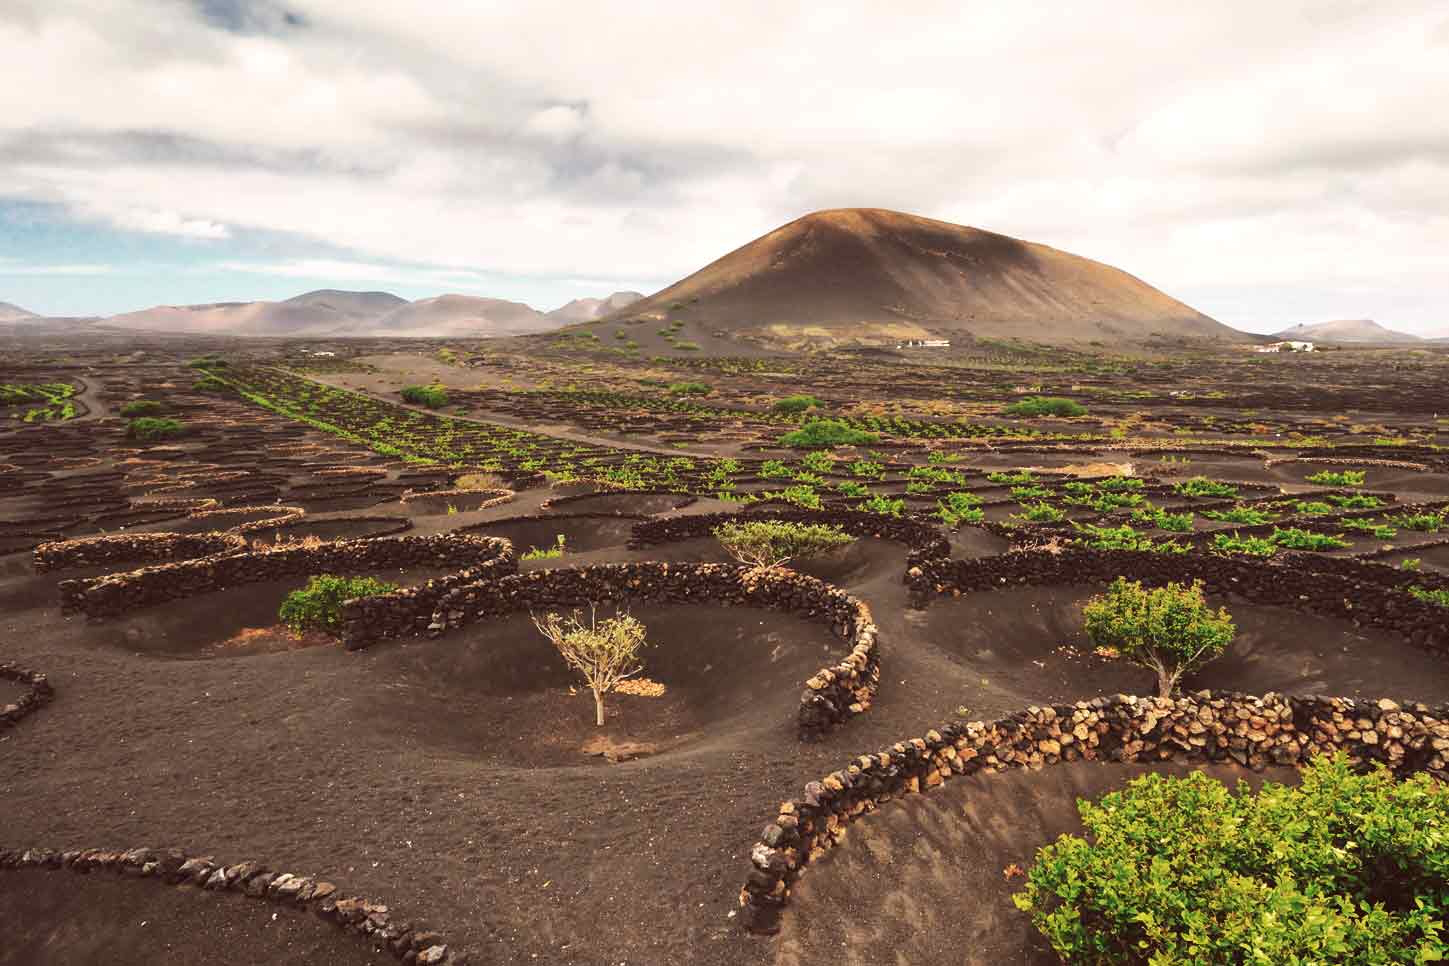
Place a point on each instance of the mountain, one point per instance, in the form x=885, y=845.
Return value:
x=1346, y=330
x=586, y=310
x=460, y=316
x=868, y=274
x=332, y=312
x=14, y=313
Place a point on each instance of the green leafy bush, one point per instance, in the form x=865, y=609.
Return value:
x=209, y=383
x=1296, y=539
x=1040, y=513
x=800, y=495
x=771, y=543
x=1381, y=531
x=141, y=407
x=825, y=433
x=1170, y=630
x=1344, y=478
x=884, y=505
x=1354, y=501
x=1003, y=478
x=689, y=389
x=1201, y=486
x=318, y=606
x=1312, y=508
x=1029, y=492
x=207, y=362
x=774, y=470
x=1245, y=515
x=958, y=508
x=1033, y=406
x=868, y=469
x=1252, y=546
x=433, y=397
x=1421, y=522
x=547, y=553
x=1431, y=596
x=1343, y=868
x=818, y=462
x=1153, y=516
x=1122, y=538
x=794, y=405
x=154, y=427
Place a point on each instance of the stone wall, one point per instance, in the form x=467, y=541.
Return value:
x=38, y=693
x=832, y=695
x=1252, y=731
x=1288, y=579
x=109, y=596
x=410, y=610
x=407, y=941
x=923, y=541
x=127, y=547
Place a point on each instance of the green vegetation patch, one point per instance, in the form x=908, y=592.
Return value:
x=825, y=433
x=1170, y=630
x=795, y=405
x=1201, y=486
x=318, y=606
x=1338, y=478
x=154, y=427
x=1033, y=406
x=1294, y=538
x=142, y=407
x=433, y=397
x=772, y=543
x=1342, y=868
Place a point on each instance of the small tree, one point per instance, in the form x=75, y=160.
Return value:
x=318, y=606
x=768, y=544
x=1170, y=630
x=604, y=652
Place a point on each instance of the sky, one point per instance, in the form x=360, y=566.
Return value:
x=1267, y=162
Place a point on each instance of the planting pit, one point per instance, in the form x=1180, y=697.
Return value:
x=581, y=533
x=342, y=529
x=623, y=502
x=59, y=918
x=500, y=690
x=1025, y=645
x=924, y=879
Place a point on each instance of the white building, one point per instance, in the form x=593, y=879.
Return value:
x=925, y=344
x=1289, y=346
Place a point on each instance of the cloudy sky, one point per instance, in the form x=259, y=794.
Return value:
x=1269, y=162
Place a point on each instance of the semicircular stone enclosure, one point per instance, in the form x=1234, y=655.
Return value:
x=844, y=751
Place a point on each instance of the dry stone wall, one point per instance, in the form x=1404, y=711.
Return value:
x=129, y=547
x=109, y=596
x=832, y=695
x=409, y=942
x=1287, y=580
x=1254, y=732
x=38, y=693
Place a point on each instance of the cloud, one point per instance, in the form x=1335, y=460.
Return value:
x=1233, y=147
x=12, y=267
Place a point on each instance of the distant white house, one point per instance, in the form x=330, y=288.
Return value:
x=925, y=344
x=1289, y=346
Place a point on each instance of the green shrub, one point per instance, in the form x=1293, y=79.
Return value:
x=1028, y=492
x=1296, y=539
x=318, y=606
x=1312, y=508
x=1380, y=531
x=825, y=433
x=1170, y=630
x=1033, y=406
x=1252, y=546
x=1343, y=868
x=433, y=396
x=1354, y=501
x=958, y=508
x=818, y=462
x=794, y=405
x=1157, y=517
x=546, y=553
x=1429, y=596
x=852, y=488
x=868, y=469
x=141, y=407
x=207, y=362
x=1344, y=478
x=1120, y=484
x=209, y=383
x=1010, y=479
x=771, y=543
x=153, y=427
x=689, y=389
x=800, y=495
x=1245, y=515
x=774, y=470
x=1203, y=487
x=884, y=505
x=1122, y=538
x=1040, y=513
x=1421, y=522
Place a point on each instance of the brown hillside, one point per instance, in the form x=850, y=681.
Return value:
x=873, y=275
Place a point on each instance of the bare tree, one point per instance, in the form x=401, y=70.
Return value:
x=604, y=652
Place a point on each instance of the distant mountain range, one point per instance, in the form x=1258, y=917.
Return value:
x=14, y=313
x=334, y=312
x=1347, y=330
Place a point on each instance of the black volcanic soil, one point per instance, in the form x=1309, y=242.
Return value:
x=61, y=918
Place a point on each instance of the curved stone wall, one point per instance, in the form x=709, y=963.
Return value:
x=127, y=547
x=1288, y=579
x=109, y=596
x=407, y=941
x=832, y=695
x=1252, y=731
x=39, y=693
